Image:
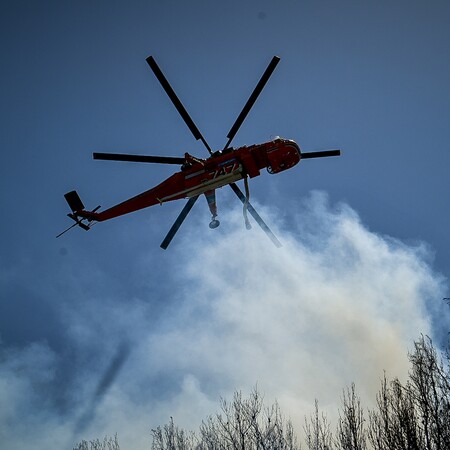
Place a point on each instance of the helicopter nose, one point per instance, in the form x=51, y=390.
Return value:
x=293, y=153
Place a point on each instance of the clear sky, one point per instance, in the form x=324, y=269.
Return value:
x=104, y=332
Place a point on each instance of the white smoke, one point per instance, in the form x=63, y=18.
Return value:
x=337, y=304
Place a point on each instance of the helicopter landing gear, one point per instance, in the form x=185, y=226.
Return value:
x=214, y=223
x=211, y=199
x=248, y=225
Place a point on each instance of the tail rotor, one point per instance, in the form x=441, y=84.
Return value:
x=76, y=205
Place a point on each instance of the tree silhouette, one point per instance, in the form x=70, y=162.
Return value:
x=414, y=415
x=242, y=424
x=108, y=443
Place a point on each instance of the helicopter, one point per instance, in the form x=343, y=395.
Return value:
x=201, y=176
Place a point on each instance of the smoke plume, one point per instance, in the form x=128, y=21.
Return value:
x=336, y=304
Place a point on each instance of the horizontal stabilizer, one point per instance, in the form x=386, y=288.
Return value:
x=74, y=201
x=83, y=225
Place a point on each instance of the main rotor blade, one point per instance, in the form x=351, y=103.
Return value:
x=248, y=106
x=139, y=158
x=256, y=216
x=320, y=154
x=180, y=219
x=176, y=101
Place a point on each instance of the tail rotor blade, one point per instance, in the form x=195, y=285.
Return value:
x=256, y=216
x=139, y=158
x=322, y=154
x=176, y=101
x=66, y=230
x=250, y=102
x=180, y=219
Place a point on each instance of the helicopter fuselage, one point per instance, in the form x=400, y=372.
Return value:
x=198, y=176
x=201, y=176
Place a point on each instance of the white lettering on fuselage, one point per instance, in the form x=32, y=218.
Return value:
x=225, y=168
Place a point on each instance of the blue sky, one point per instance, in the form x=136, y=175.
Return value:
x=366, y=255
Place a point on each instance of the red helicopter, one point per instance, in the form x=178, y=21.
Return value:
x=202, y=176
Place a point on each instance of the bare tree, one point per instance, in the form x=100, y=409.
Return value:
x=247, y=424
x=107, y=444
x=317, y=429
x=242, y=424
x=415, y=415
x=430, y=389
x=351, y=434
x=171, y=437
x=395, y=425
